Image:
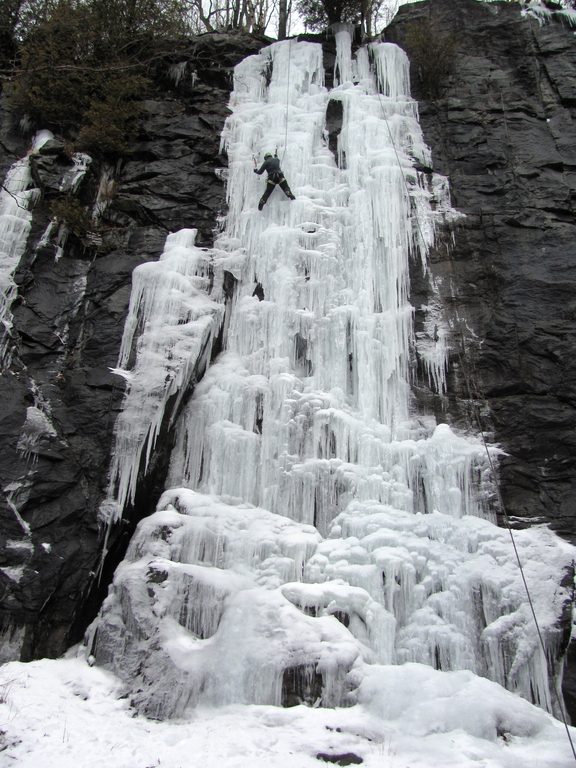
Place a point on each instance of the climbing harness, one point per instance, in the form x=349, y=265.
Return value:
x=475, y=407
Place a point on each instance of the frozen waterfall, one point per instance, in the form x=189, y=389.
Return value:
x=316, y=528
x=17, y=198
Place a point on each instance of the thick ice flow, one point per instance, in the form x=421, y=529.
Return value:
x=200, y=583
x=167, y=339
x=317, y=525
x=18, y=195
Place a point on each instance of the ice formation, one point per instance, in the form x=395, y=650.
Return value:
x=543, y=15
x=73, y=176
x=17, y=198
x=169, y=333
x=316, y=529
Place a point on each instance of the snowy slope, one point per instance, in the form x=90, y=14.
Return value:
x=65, y=714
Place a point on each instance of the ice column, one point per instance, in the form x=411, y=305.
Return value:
x=168, y=336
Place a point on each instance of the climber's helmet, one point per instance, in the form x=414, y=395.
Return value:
x=268, y=154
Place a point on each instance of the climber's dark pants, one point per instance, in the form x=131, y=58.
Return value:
x=270, y=184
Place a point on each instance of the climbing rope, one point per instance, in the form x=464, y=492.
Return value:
x=476, y=410
x=507, y=521
x=397, y=156
x=287, y=99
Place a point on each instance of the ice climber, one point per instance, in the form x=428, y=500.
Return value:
x=271, y=165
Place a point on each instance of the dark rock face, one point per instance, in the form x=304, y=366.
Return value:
x=301, y=685
x=504, y=132
x=334, y=118
x=346, y=758
x=67, y=325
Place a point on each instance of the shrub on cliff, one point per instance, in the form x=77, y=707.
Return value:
x=57, y=75
x=109, y=122
x=82, y=70
x=70, y=211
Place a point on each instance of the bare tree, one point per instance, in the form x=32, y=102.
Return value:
x=371, y=15
x=219, y=15
x=282, y=19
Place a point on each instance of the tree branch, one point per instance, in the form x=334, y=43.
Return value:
x=13, y=196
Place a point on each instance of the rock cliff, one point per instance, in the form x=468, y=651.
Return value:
x=502, y=130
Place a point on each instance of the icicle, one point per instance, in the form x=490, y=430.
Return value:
x=178, y=324
x=343, y=65
x=36, y=427
x=105, y=191
x=392, y=69
x=73, y=177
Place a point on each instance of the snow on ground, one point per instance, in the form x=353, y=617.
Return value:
x=66, y=714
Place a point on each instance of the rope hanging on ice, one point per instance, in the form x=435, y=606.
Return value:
x=287, y=99
x=476, y=410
